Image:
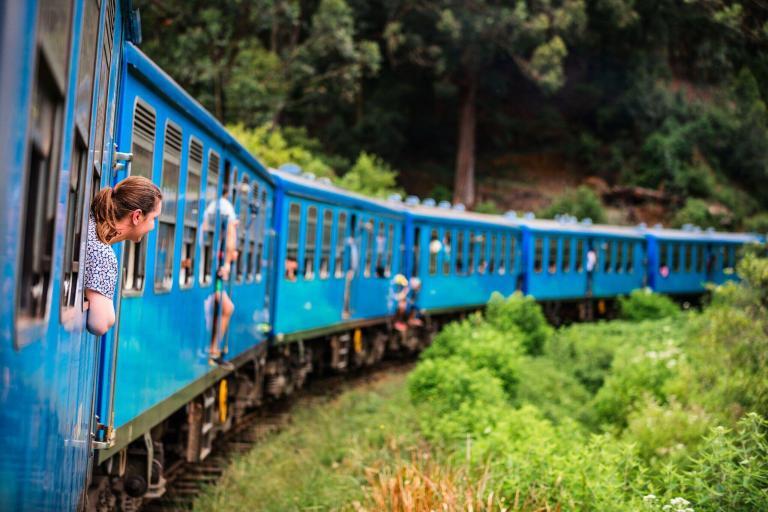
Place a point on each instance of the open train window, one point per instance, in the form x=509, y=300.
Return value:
x=471, y=253
x=631, y=257
x=675, y=248
x=552, y=261
x=265, y=209
x=607, y=253
x=76, y=193
x=310, y=242
x=341, y=236
x=191, y=211
x=390, y=251
x=492, y=256
x=370, y=234
x=619, y=265
x=664, y=257
x=447, y=252
x=503, y=254
x=325, y=244
x=166, y=229
x=292, y=243
x=416, y=251
x=566, y=254
x=579, y=264
x=460, y=253
x=209, y=222
x=688, y=257
x=255, y=233
x=434, y=251
x=731, y=257
x=43, y=153
x=242, y=193
x=379, y=263
x=538, y=255
x=142, y=147
x=512, y=253
x=700, y=256
x=482, y=262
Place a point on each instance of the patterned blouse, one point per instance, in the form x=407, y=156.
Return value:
x=100, y=263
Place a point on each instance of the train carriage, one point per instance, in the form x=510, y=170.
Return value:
x=337, y=254
x=183, y=149
x=556, y=260
x=461, y=257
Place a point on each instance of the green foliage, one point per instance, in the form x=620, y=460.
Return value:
x=757, y=223
x=553, y=391
x=370, y=176
x=488, y=206
x=698, y=213
x=519, y=313
x=646, y=305
x=270, y=146
x=581, y=202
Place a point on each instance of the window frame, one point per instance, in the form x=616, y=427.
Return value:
x=170, y=220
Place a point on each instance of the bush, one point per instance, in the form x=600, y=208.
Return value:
x=698, y=213
x=557, y=394
x=581, y=203
x=757, y=223
x=488, y=207
x=646, y=305
x=371, y=176
x=520, y=313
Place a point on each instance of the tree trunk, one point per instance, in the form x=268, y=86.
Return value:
x=464, y=181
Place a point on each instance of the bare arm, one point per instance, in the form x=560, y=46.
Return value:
x=101, y=312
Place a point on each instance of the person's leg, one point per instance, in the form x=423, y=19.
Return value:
x=227, y=310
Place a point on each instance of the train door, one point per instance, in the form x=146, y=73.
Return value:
x=109, y=166
x=352, y=246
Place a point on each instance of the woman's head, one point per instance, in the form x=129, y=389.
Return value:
x=127, y=210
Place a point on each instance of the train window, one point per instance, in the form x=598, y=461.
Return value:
x=370, y=234
x=447, y=251
x=253, y=232
x=390, y=250
x=191, y=211
x=471, y=254
x=242, y=194
x=209, y=224
x=310, y=242
x=142, y=147
x=480, y=243
x=608, y=254
x=292, y=243
x=512, y=253
x=538, y=255
x=675, y=248
x=381, y=244
x=579, y=263
x=104, y=73
x=416, y=250
x=262, y=229
x=552, y=260
x=699, y=258
x=434, y=251
x=44, y=148
x=688, y=257
x=460, y=253
x=503, y=254
x=631, y=257
x=492, y=256
x=664, y=257
x=619, y=265
x=325, y=245
x=166, y=230
x=566, y=254
x=731, y=257
x=341, y=236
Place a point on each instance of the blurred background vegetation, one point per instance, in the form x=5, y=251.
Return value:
x=657, y=107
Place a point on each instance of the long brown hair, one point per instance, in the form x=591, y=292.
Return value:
x=112, y=204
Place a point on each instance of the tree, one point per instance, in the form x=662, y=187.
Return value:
x=459, y=40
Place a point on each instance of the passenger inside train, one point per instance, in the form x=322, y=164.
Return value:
x=125, y=212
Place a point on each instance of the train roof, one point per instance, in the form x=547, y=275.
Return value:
x=162, y=82
x=324, y=190
x=702, y=235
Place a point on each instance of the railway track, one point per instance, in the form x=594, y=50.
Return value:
x=186, y=481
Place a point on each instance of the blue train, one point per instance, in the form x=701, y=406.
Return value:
x=99, y=423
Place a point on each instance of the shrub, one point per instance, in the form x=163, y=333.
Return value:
x=698, y=213
x=557, y=394
x=581, y=202
x=456, y=398
x=370, y=176
x=757, y=223
x=646, y=305
x=487, y=206
x=519, y=313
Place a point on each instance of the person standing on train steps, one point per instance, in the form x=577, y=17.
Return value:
x=223, y=308
x=590, y=266
x=125, y=212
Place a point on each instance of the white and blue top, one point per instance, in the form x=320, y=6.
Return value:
x=100, y=263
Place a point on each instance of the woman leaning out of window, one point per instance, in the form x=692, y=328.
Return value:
x=125, y=212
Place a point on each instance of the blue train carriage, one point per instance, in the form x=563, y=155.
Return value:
x=682, y=262
x=159, y=382
x=556, y=265
x=60, y=69
x=461, y=257
x=337, y=254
